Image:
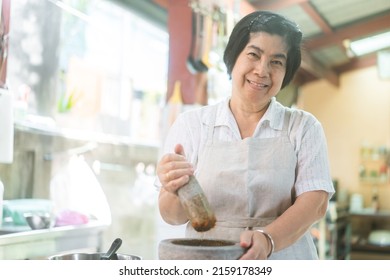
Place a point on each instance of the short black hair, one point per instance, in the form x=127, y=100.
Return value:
x=272, y=23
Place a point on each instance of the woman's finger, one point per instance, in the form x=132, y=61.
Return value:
x=173, y=185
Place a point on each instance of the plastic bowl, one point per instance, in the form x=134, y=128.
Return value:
x=379, y=237
x=36, y=221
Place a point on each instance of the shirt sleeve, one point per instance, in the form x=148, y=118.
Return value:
x=180, y=133
x=313, y=171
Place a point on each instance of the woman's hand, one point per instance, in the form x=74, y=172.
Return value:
x=173, y=170
x=257, y=245
x=308, y=208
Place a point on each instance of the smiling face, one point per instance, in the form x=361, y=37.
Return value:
x=259, y=70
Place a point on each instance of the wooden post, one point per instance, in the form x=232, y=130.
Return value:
x=179, y=28
x=4, y=30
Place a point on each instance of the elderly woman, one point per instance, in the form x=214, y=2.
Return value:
x=262, y=166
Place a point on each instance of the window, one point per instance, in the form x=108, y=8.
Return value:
x=89, y=65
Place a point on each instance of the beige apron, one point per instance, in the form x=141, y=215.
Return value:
x=249, y=183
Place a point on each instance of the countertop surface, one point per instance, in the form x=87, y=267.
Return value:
x=24, y=243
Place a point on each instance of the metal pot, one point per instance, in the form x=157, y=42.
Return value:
x=93, y=256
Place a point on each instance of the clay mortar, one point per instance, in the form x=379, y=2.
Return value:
x=199, y=249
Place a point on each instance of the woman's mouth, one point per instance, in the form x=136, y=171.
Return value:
x=258, y=85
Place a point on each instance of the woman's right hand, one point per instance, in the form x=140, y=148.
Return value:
x=173, y=170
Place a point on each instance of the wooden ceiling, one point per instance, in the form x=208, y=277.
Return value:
x=326, y=25
x=337, y=21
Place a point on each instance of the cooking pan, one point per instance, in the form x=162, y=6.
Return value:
x=110, y=255
x=93, y=256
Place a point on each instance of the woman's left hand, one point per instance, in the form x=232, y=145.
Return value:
x=256, y=244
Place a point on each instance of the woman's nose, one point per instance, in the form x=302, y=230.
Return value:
x=262, y=68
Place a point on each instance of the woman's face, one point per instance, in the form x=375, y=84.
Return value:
x=259, y=69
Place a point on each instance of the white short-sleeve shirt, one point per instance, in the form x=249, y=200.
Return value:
x=305, y=132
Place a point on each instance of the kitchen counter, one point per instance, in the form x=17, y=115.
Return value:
x=40, y=244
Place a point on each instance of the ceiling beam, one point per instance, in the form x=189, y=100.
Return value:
x=316, y=17
x=303, y=77
x=315, y=68
x=350, y=32
x=357, y=63
x=162, y=3
x=275, y=4
x=147, y=9
x=304, y=4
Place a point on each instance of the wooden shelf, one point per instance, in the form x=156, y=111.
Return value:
x=370, y=248
x=382, y=181
x=361, y=248
x=383, y=214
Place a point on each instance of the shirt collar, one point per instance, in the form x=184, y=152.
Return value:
x=274, y=114
x=224, y=113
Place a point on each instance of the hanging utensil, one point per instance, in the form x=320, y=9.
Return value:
x=191, y=63
x=200, y=40
x=207, y=42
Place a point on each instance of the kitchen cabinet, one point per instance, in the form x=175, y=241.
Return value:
x=362, y=224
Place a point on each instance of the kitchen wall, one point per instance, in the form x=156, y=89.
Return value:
x=356, y=112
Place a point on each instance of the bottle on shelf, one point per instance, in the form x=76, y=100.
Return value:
x=375, y=200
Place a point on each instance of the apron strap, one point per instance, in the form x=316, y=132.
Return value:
x=210, y=129
x=245, y=223
x=286, y=123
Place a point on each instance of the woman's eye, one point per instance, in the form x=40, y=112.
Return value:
x=277, y=62
x=252, y=54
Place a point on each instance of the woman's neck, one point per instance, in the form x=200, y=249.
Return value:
x=247, y=117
